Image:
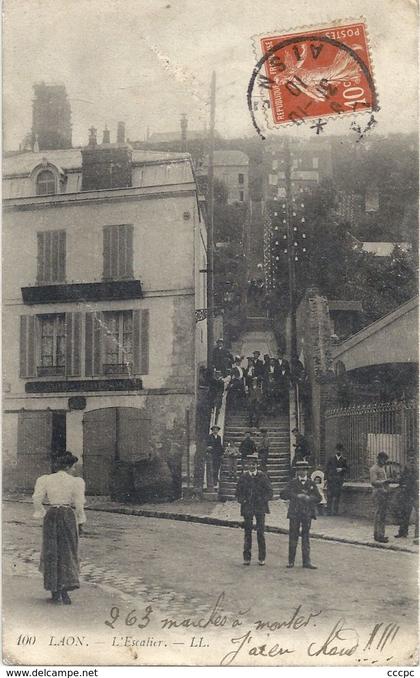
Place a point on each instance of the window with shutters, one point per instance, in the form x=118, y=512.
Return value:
x=51, y=257
x=118, y=342
x=118, y=252
x=52, y=345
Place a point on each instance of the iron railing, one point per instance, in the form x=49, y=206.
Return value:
x=367, y=429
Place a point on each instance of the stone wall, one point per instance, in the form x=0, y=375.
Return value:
x=357, y=500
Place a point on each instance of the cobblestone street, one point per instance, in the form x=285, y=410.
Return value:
x=130, y=562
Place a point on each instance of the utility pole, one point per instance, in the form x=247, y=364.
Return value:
x=210, y=227
x=291, y=255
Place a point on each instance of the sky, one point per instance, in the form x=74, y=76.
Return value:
x=147, y=61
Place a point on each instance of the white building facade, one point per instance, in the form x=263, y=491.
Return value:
x=103, y=256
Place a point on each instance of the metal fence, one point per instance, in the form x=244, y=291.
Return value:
x=365, y=430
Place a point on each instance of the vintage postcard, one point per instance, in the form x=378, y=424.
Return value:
x=210, y=349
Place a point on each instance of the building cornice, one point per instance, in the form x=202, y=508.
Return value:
x=102, y=196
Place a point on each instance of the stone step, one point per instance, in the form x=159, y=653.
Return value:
x=257, y=434
x=275, y=474
x=277, y=464
x=271, y=430
x=229, y=497
x=244, y=419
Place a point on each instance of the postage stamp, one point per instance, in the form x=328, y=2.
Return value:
x=313, y=73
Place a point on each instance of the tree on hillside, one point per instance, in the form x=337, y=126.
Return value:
x=340, y=269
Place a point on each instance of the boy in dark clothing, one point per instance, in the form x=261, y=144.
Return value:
x=253, y=492
x=247, y=446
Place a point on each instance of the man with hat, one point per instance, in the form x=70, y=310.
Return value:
x=222, y=359
x=253, y=492
x=380, y=483
x=215, y=448
x=303, y=495
x=247, y=446
x=258, y=365
x=336, y=470
x=236, y=389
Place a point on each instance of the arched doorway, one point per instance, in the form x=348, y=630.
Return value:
x=112, y=434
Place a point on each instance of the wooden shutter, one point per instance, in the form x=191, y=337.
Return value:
x=141, y=341
x=129, y=251
x=93, y=344
x=73, y=344
x=118, y=251
x=51, y=256
x=41, y=257
x=107, y=252
x=61, y=256
x=28, y=332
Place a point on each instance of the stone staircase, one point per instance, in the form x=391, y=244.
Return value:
x=236, y=423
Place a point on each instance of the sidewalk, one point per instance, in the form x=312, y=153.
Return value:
x=346, y=529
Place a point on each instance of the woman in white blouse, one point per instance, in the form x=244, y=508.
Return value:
x=60, y=538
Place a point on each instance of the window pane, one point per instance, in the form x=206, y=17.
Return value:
x=128, y=337
x=111, y=338
x=45, y=183
x=53, y=341
x=118, y=346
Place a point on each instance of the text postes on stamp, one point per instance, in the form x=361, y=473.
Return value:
x=314, y=73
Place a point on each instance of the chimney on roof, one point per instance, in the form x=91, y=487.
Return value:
x=121, y=133
x=105, y=165
x=106, y=137
x=92, y=136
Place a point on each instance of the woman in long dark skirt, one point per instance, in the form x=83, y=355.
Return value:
x=62, y=520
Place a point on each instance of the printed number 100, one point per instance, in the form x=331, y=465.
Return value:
x=26, y=640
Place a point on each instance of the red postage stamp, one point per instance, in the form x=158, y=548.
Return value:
x=316, y=73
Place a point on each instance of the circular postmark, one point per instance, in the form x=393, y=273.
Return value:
x=311, y=75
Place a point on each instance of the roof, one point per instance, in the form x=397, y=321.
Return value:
x=71, y=159
x=384, y=249
x=230, y=158
x=378, y=325
x=344, y=305
x=161, y=137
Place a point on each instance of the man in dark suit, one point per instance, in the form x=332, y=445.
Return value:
x=247, y=446
x=258, y=365
x=302, y=451
x=253, y=492
x=215, y=447
x=222, y=359
x=282, y=362
x=303, y=495
x=408, y=496
x=282, y=379
x=336, y=470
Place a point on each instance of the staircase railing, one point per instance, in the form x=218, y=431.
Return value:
x=217, y=418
